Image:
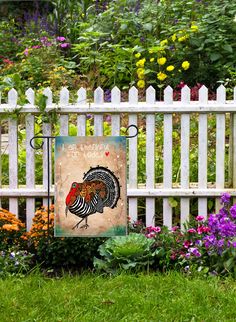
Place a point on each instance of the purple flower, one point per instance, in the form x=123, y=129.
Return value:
x=65, y=45
x=108, y=118
x=36, y=47
x=234, y=244
x=43, y=39
x=233, y=211
x=12, y=255
x=60, y=38
x=198, y=242
x=225, y=198
x=195, y=251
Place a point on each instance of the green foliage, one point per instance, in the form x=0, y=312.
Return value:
x=59, y=253
x=15, y=262
x=125, y=252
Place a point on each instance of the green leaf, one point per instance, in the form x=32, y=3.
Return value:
x=228, y=48
x=147, y=26
x=215, y=56
x=173, y=203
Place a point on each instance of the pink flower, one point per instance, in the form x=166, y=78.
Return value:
x=191, y=230
x=199, y=218
x=203, y=229
x=153, y=229
x=36, y=47
x=26, y=52
x=60, y=38
x=187, y=243
x=150, y=235
x=65, y=45
x=175, y=228
x=7, y=61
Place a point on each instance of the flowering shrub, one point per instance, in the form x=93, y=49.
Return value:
x=207, y=245
x=14, y=262
x=12, y=231
x=58, y=253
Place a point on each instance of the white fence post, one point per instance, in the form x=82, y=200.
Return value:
x=185, y=140
x=202, y=152
x=150, y=157
x=47, y=131
x=133, y=155
x=13, y=152
x=220, y=144
x=30, y=160
x=81, y=119
x=115, y=118
x=64, y=118
x=98, y=118
x=167, y=156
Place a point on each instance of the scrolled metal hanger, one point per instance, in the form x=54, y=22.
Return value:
x=131, y=136
x=39, y=137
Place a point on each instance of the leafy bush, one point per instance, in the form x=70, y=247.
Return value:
x=205, y=245
x=15, y=262
x=125, y=252
x=58, y=253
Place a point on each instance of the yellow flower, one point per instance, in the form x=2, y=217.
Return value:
x=140, y=70
x=173, y=37
x=164, y=42
x=170, y=68
x=137, y=55
x=161, y=61
x=140, y=73
x=141, y=84
x=183, y=38
x=151, y=60
x=141, y=62
x=194, y=28
x=185, y=65
x=151, y=51
x=161, y=76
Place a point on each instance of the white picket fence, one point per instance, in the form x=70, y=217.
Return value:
x=150, y=108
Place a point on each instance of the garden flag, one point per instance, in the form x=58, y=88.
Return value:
x=90, y=186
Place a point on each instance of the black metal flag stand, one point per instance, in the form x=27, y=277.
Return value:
x=48, y=138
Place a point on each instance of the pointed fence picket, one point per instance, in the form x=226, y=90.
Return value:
x=30, y=160
x=202, y=152
x=133, y=163
x=150, y=157
x=185, y=138
x=220, y=144
x=167, y=156
x=148, y=110
x=13, y=152
x=47, y=131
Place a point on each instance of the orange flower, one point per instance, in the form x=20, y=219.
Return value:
x=10, y=227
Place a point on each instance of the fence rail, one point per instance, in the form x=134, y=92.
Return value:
x=224, y=136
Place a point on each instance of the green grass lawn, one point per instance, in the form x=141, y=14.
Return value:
x=154, y=297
